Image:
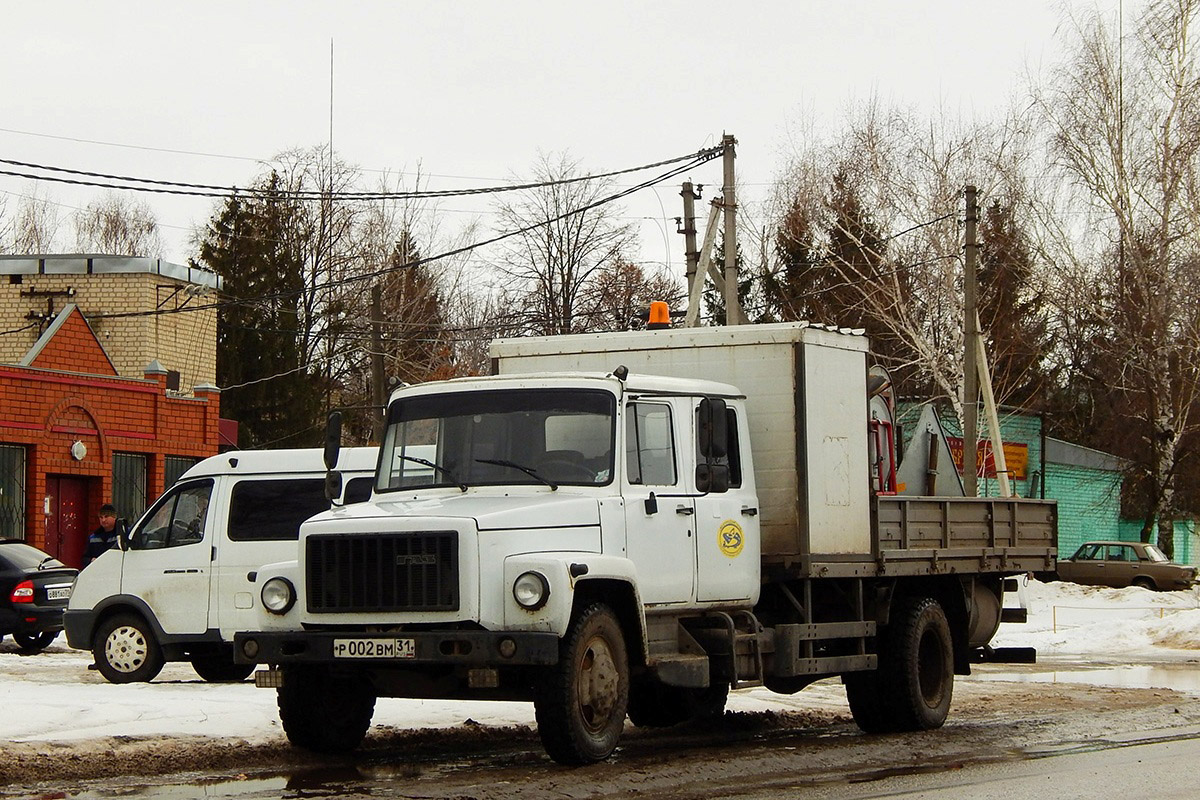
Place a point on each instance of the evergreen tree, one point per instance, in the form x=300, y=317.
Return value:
x=268, y=389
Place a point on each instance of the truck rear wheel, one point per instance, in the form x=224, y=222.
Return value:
x=323, y=711
x=866, y=695
x=581, y=704
x=918, y=665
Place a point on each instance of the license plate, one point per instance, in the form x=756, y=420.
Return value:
x=374, y=648
x=59, y=594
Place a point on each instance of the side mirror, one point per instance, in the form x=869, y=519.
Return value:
x=333, y=439
x=713, y=428
x=712, y=478
x=333, y=485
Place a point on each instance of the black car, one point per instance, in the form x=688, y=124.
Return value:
x=34, y=590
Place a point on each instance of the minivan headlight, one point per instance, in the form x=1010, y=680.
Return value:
x=531, y=590
x=278, y=595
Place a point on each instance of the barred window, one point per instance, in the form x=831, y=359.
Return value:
x=129, y=485
x=12, y=491
x=174, y=467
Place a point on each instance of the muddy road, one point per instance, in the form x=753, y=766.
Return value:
x=745, y=754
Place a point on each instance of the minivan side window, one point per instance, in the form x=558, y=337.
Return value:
x=179, y=519
x=272, y=510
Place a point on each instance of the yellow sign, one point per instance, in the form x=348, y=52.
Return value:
x=730, y=538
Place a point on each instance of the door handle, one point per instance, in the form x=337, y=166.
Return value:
x=685, y=510
x=750, y=511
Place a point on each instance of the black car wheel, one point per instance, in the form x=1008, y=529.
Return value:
x=34, y=642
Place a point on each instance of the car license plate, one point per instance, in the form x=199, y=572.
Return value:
x=374, y=648
x=59, y=594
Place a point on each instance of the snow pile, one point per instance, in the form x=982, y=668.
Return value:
x=54, y=697
x=1066, y=619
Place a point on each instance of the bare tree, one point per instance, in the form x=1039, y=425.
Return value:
x=34, y=226
x=867, y=233
x=565, y=238
x=1124, y=117
x=117, y=225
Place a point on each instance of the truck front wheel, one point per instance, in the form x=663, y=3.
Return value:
x=581, y=704
x=126, y=650
x=324, y=711
x=919, y=660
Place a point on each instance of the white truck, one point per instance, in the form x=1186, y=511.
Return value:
x=179, y=585
x=605, y=529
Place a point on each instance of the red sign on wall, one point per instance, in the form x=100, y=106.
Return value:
x=1016, y=458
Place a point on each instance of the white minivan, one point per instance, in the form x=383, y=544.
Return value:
x=181, y=583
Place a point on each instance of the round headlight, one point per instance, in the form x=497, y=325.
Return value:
x=278, y=595
x=531, y=590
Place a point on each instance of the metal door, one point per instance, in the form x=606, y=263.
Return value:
x=66, y=519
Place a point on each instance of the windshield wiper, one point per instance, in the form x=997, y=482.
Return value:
x=42, y=565
x=427, y=463
x=528, y=471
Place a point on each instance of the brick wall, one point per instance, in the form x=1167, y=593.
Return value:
x=184, y=342
x=48, y=410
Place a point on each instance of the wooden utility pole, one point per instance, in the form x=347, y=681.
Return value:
x=378, y=390
x=971, y=349
x=689, y=233
x=733, y=311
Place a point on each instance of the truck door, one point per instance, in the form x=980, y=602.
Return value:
x=659, y=539
x=727, y=523
x=169, y=561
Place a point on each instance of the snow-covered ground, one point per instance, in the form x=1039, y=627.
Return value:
x=53, y=696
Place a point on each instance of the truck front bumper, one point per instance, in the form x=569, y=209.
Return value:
x=469, y=648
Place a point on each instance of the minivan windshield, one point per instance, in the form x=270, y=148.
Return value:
x=547, y=437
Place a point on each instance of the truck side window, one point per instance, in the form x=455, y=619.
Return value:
x=179, y=519
x=733, y=459
x=272, y=510
x=358, y=490
x=650, y=445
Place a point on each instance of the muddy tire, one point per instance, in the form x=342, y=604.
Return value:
x=126, y=651
x=323, y=711
x=1145, y=583
x=581, y=702
x=918, y=665
x=219, y=668
x=34, y=642
x=656, y=705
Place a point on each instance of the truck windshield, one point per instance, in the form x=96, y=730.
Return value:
x=499, y=437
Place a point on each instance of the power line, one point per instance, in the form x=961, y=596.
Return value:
x=153, y=185
x=698, y=159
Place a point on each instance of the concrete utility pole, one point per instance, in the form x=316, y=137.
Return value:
x=733, y=311
x=378, y=390
x=970, y=350
x=689, y=233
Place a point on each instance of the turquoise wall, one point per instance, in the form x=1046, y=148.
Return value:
x=1187, y=539
x=1089, y=504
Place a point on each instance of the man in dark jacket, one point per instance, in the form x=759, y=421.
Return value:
x=105, y=536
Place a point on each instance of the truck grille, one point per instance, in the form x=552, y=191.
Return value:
x=383, y=572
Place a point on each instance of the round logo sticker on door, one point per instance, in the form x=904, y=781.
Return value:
x=730, y=538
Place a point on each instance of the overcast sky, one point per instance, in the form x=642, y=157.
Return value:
x=473, y=90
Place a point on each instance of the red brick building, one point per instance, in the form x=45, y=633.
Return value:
x=75, y=434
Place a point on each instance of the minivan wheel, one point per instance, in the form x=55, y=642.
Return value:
x=219, y=668
x=126, y=650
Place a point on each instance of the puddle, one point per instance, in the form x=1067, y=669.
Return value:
x=1181, y=677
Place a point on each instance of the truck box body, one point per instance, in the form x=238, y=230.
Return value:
x=806, y=400
x=806, y=395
